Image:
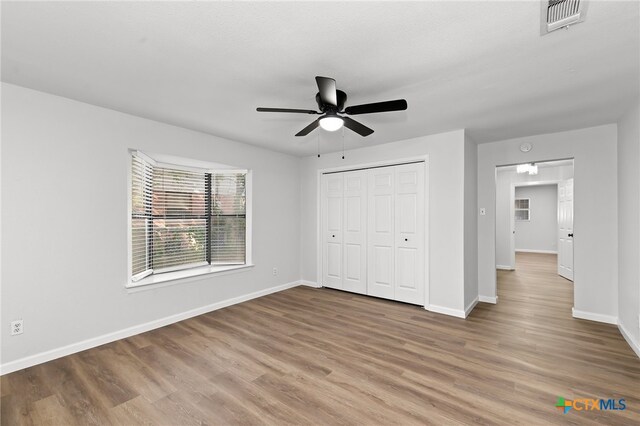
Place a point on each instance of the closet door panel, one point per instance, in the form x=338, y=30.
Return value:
x=409, y=235
x=373, y=232
x=407, y=263
x=383, y=266
x=355, y=235
x=332, y=198
x=380, y=268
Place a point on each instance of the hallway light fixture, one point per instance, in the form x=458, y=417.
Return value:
x=530, y=168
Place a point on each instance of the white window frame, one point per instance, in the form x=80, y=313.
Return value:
x=528, y=210
x=189, y=272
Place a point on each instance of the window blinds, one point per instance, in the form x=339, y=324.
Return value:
x=228, y=211
x=185, y=218
x=141, y=196
x=179, y=219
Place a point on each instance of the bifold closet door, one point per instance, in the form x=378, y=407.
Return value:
x=332, y=197
x=355, y=232
x=373, y=232
x=380, y=267
x=396, y=233
x=409, y=233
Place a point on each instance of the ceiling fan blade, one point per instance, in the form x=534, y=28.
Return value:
x=309, y=128
x=359, y=128
x=397, y=105
x=300, y=111
x=327, y=90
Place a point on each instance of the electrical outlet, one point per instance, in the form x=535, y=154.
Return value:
x=17, y=327
x=275, y=272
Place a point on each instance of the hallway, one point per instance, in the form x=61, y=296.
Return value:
x=536, y=287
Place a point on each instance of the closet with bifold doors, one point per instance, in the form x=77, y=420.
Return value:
x=373, y=231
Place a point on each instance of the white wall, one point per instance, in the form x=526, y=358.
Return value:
x=596, y=217
x=64, y=220
x=470, y=221
x=503, y=218
x=446, y=208
x=505, y=178
x=540, y=232
x=629, y=224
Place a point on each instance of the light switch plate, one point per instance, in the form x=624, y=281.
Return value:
x=483, y=211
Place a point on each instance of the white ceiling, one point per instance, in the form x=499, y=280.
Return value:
x=206, y=66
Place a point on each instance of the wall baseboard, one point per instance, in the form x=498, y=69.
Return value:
x=591, y=316
x=629, y=338
x=488, y=299
x=472, y=305
x=536, y=251
x=310, y=284
x=446, y=311
x=52, y=354
x=505, y=268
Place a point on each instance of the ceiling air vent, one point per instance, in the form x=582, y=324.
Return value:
x=558, y=14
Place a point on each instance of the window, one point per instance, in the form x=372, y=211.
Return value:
x=521, y=209
x=228, y=223
x=185, y=218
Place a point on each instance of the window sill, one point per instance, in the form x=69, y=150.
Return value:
x=186, y=275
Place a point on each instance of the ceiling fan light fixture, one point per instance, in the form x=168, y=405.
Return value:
x=331, y=103
x=331, y=123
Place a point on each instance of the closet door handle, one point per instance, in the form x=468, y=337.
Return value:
x=406, y=239
x=570, y=235
x=333, y=236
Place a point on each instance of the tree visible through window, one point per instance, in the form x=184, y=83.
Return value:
x=183, y=219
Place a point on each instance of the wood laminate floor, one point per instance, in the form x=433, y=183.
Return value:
x=319, y=356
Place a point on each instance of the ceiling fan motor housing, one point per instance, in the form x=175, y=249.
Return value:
x=340, y=95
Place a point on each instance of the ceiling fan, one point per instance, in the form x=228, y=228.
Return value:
x=331, y=103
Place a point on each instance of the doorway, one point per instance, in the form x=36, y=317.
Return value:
x=534, y=221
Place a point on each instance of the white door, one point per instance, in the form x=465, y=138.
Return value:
x=409, y=233
x=565, y=229
x=355, y=232
x=332, y=218
x=380, y=231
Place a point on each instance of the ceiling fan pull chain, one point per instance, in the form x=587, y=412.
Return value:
x=318, y=145
x=343, y=142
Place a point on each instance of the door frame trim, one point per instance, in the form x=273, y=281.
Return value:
x=372, y=165
x=512, y=195
x=495, y=167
